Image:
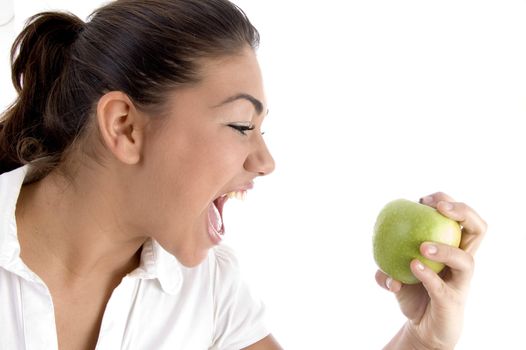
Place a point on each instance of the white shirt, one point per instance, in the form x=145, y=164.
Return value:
x=160, y=305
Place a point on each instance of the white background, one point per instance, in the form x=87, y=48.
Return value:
x=371, y=101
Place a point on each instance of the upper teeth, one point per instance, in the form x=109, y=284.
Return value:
x=242, y=195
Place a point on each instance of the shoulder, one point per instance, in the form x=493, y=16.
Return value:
x=11, y=182
x=224, y=257
x=238, y=312
x=224, y=265
x=10, y=185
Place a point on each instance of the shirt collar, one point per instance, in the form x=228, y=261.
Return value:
x=156, y=263
x=10, y=185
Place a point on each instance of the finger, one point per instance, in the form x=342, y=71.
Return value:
x=473, y=226
x=433, y=284
x=432, y=199
x=387, y=282
x=459, y=262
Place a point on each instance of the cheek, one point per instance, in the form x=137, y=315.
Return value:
x=195, y=162
x=226, y=162
x=211, y=157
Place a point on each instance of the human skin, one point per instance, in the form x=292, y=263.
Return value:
x=160, y=174
x=435, y=308
x=154, y=176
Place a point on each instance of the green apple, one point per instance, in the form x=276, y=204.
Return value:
x=401, y=227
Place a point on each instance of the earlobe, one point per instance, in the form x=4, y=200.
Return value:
x=120, y=126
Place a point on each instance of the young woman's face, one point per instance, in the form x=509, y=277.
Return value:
x=203, y=150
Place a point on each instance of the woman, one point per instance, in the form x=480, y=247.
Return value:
x=129, y=134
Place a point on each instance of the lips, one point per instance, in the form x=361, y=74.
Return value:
x=216, y=227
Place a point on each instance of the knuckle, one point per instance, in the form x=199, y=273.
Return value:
x=444, y=196
x=467, y=265
x=483, y=226
x=440, y=195
x=447, y=253
x=470, y=262
x=461, y=206
x=441, y=288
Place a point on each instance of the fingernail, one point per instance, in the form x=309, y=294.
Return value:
x=420, y=266
x=426, y=199
x=447, y=206
x=431, y=249
x=388, y=283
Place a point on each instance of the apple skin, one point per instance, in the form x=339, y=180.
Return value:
x=401, y=227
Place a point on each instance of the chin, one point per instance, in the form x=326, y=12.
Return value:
x=192, y=246
x=189, y=253
x=192, y=260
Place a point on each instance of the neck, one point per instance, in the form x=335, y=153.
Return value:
x=76, y=230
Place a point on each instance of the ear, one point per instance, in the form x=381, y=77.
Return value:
x=121, y=126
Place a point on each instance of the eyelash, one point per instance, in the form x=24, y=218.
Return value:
x=242, y=128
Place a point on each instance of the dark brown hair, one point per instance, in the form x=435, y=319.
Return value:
x=61, y=66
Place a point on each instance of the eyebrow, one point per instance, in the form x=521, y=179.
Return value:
x=258, y=106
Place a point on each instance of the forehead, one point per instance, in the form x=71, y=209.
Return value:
x=231, y=75
x=220, y=79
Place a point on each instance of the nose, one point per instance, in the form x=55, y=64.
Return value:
x=260, y=160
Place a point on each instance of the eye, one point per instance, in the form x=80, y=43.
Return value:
x=242, y=128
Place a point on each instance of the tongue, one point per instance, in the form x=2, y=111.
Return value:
x=215, y=219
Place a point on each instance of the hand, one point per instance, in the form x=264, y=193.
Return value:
x=435, y=308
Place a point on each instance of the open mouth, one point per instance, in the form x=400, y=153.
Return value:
x=216, y=225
